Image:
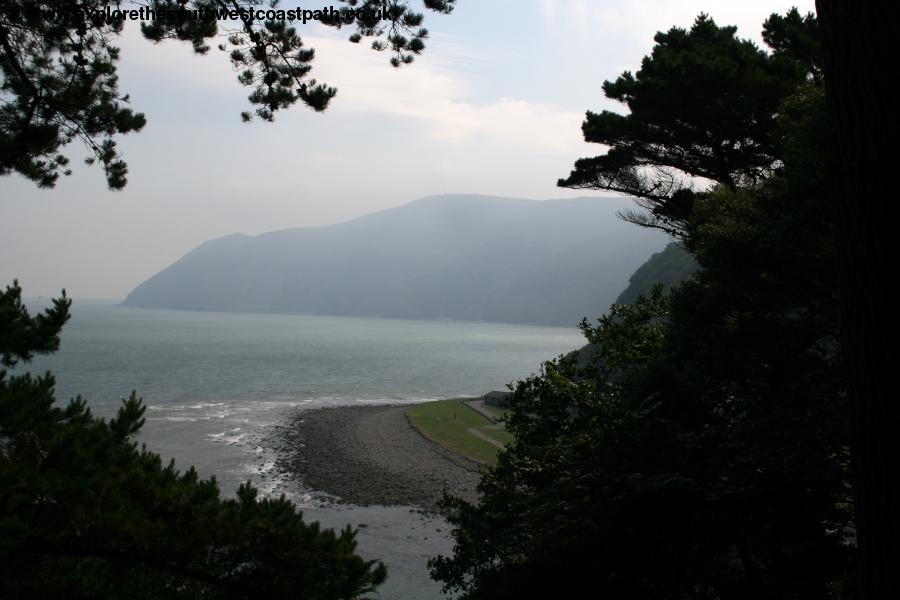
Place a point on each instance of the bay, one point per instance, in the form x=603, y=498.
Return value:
x=217, y=384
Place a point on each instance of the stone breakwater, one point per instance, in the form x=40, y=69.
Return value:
x=371, y=455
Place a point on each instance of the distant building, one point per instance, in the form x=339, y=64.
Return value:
x=496, y=398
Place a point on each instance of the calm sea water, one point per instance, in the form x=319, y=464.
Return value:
x=215, y=384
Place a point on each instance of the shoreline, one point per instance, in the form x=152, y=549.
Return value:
x=371, y=455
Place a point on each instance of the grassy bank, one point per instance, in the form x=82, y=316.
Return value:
x=455, y=425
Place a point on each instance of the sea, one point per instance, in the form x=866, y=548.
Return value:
x=217, y=385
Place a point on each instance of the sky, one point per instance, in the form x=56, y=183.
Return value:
x=493, y=106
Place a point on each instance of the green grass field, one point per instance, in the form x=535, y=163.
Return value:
x=498, y=412
x=448, y=422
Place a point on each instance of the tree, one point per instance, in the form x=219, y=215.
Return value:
x=859, y=41
x=703, y=451
x=702, y=106
x=58, y=79
x=85, y=512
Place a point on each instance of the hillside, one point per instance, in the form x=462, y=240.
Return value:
x=670, y=267
x=444, y=257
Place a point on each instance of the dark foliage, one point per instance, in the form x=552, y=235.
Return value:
x=85, y=512
x=703, y=451
x=58, y=83
x=702, y=106
x=58, y=80
x=672, y=266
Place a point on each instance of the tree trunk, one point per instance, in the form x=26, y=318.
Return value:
x=860, y=43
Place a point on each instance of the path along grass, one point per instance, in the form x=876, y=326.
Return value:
x=455, y=425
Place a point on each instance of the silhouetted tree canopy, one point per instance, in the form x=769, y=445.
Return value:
x=86, y=512
x=703, y=451
x=702, y=106
x=58, y=80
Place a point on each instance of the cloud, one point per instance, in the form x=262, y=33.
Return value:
x=548, y=10
x=435, y=95
x=635, y=20
x=432, y=91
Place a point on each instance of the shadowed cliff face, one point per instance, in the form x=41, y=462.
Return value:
x=444, y=257
x=670, y=267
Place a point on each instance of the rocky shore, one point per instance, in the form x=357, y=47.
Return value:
x=371, y=455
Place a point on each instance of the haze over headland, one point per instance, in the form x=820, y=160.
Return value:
x=481, y=258
x=468, y=116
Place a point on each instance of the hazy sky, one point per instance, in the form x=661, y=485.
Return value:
x=494, y=106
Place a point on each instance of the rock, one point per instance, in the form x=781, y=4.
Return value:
x=368, y=455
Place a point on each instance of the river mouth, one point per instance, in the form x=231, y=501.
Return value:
x=220, y=389
x=366, y=466
x=402, y=537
